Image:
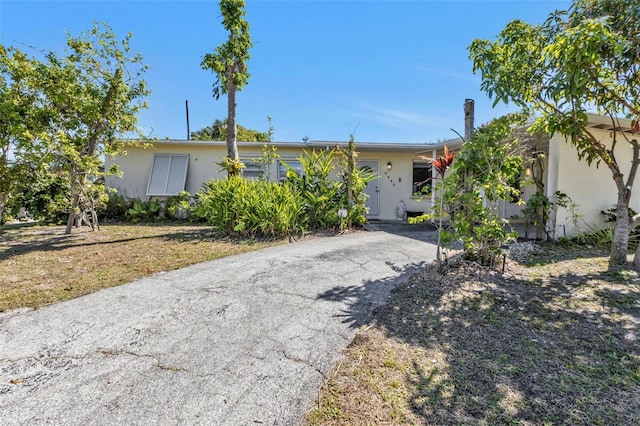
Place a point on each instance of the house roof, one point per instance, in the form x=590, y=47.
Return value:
x=605, y=123
x=360, y=146
x=595, y=122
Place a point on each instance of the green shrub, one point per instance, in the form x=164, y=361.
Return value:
x=178, y=206
x=250, y=207
x=320, y=193
x=601, y=238
x=301, y=203
x=144, y=211
x=117, y=207
x=325, y=190
x=355, y=181
x=45, y=200
x=481, y=179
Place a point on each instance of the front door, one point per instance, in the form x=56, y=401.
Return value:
x=372, y=189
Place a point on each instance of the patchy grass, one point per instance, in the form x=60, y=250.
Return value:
x=553, y=341
x=40, y=265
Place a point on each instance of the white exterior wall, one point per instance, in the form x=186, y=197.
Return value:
x=394, y=185
x=591, y=188
x=136, y=165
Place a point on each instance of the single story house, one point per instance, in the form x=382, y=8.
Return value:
x=170, y=166
x=591, y=188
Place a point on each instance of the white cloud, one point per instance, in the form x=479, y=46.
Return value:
x=394, y=117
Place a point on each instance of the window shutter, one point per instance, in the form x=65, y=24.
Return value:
x=168, y=174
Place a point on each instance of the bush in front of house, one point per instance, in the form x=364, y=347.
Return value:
x=121, y=208
x=238, y=206
x=330, y=181
x=321, y=195
x=116, y=207
x=44, y=199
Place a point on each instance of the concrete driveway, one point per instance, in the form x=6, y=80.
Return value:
x=243, y=340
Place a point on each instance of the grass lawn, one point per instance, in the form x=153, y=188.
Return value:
x=553, y=341
x=40, y=265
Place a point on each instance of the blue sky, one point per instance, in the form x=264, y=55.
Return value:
x=387, y=71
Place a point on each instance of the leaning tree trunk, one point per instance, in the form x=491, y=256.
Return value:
x=620, y=243
x=635, y=222
x=89, y=151
x=624, y=224
x=73, y=216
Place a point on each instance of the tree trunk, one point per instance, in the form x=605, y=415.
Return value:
x=540, y=225
x=90, y=150
x=438, y=249
x=4, y=198
x=73, y=216
x=636, y=258
x=621, y=230
x=350, y=169
x=232, y=132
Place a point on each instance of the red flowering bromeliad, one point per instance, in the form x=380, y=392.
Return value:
x=441, y=164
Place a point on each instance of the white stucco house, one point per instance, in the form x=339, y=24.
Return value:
x=170, y=166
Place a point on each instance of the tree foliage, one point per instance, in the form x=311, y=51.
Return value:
x=218, y=132
x=310, y=201
x=64, y=114
x=23, y=155
x=483, y=177
x=578, y=61
x=94, y=93
x=229, y=63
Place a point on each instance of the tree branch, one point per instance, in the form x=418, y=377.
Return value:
x=635, y=162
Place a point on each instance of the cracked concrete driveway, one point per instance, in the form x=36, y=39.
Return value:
x=243, y=340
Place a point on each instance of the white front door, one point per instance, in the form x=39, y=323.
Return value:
x=372, y=189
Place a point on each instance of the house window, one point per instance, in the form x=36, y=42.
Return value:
x=422, y=178
x=252, y=170
x=168, y=174
x=282, y=168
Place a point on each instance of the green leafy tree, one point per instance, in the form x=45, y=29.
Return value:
x=94, y=94
x=218, y=132
x=45, y=198
x=229, y=63
x=441, y=165
x=483, y=177
x=23, y=156
x=580, y=60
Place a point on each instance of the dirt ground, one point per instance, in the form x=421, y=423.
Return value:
x=553, y=340
x=40, y=265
